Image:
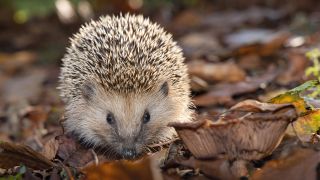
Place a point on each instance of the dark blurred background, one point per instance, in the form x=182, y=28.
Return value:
x=235, y=50
x=45, y=25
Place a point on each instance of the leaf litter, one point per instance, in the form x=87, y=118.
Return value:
x=233, y=56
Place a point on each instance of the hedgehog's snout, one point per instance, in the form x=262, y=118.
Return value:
x=129, y=147
x=129, y=153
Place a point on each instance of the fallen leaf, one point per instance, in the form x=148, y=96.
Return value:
x=308, y=109
x=12, y=155
x=197, y=84
x=214, y=168
x=307, y=124
x=260, y=42
x=227, y=72
x=55, y=174
x=67, y=146
x=251, y=62
x=197, y=45
x=249, y=36
x=305, y=86
x=10, y=63
x=13, y=125
x=72, y=153
x=223, y=93
x=293, y=96
x=37, y=114
x=124, y=170
x=271, y=93
x=185, y=20
x=27, y=86
x=50, y=148
x=301, y=164
x=297, y=63
x=231, y=19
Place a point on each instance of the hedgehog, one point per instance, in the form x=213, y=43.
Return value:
x=123, y=79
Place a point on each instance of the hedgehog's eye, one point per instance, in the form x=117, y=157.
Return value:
x=110, y=119
x=146, y=117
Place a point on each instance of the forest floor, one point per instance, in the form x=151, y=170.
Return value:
x=242, y=64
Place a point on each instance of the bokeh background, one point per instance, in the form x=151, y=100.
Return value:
x=242, y=37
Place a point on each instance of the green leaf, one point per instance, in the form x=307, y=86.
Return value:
x=293, y=96
x=305, y=86
x=313, y=54
x=309, y=123
x=309, y=71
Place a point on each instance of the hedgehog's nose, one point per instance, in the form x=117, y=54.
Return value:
x=129, y=153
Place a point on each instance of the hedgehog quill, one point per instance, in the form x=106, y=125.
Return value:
x=123, y=79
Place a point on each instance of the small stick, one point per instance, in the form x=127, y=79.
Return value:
x=163, y=143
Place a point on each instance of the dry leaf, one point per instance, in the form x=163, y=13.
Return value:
x=197, y=84
x=231, y=19
x=256, y=41
x=297, y=63
x=50, y=148
x=306, y=125
x=301, y=164
x=73, y=153
x=197, y=45
x=227, y=72
x=10, y=63
x=12, y=155
x=293, y=96
x=214, y=168
x=185, y=20
x=37, y=114
x=27, y=86
x=309, y=112
x=223, y=93
x=249, y=36
x=251, y=62
x=124, y=170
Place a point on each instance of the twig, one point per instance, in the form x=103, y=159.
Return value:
x=69, y=174
x=162, y=143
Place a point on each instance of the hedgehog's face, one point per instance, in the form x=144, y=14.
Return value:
x=126, y=124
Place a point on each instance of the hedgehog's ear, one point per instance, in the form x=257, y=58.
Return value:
x=165, y=88
x=88, y=90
